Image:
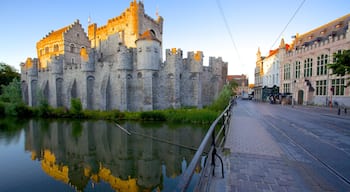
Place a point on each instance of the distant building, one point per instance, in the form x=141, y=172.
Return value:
x=119, y=66
x=242, y=82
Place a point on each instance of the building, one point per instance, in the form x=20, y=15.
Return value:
x=119, y=66
x=300, y=69
x=258, y=76
x=267, y=73
x=304, y=71
x=242, y=82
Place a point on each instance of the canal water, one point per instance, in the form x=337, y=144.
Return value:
x=65, y=155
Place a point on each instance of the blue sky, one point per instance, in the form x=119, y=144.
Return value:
x=188, y=24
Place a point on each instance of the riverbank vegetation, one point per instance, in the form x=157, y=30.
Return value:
x=11, y=104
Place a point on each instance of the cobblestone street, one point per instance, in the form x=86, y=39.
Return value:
x=280, y=148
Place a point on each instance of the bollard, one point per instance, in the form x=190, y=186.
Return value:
x=338, y=111
x=345, y=111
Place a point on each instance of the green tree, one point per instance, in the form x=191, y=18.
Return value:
x=223, y=99
x=11, y=98
x=7, y=74
x=341, y=66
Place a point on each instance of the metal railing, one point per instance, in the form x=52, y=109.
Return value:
x=216, y=141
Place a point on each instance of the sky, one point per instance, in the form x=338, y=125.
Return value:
x=231, y=29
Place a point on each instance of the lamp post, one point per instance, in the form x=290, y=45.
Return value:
x=327, y=82
x=294, y=81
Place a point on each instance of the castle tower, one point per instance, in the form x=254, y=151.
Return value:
x=173, y=74
x=29, y=84
x=123, y=68
x=129, y=26
x=195, y=67
x=147, y=63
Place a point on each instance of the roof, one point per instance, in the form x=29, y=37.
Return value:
x=148, y=35
x=58, y=34
x=333, y=28
x=231, y=77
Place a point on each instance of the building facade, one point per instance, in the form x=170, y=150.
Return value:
x=119, y=66
x=258, y=76
x=304, y=71
x=242, y=84
x=302, y=66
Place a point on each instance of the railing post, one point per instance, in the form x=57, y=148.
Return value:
x=187, y=175
x=214, y=151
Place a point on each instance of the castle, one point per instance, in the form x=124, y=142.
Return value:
x=119, y=66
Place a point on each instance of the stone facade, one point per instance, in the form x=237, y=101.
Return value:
x=303, y=65
x=119, y=66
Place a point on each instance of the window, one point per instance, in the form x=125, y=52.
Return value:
x=139, y=75
x=308, y=67
x=71, y=48
x=72, y=60
x=286, y=88
x=321, y=87
x=47, y=50
x=338, y=86
x=41, y=52
x=55, y=48
x=297, y=69
x=286, y=71
x=322, y=64
x=335, y=59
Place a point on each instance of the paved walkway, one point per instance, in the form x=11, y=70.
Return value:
x=255, y=161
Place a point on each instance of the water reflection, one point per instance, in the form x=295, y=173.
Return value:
x=86, y=153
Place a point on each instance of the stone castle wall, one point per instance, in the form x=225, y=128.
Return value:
x=113, y=74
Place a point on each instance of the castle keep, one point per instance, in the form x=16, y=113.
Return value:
x=119, y=66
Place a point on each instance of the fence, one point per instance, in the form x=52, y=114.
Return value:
x=217, y=140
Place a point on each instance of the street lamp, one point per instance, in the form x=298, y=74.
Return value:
x=327, y=86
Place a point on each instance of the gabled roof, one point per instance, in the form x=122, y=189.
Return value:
x=58, y=34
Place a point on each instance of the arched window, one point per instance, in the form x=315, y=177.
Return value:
x=153, y=33
x=73, y=60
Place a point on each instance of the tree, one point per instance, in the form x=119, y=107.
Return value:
x=7, y=74
x=11, y=100
x=341, y=66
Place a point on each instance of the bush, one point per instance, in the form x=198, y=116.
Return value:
x=23, y=111
x=76, y=107
x=44, y=109
x=197, y=116
x=223, y=100
x=2, y=109
x=152, y=116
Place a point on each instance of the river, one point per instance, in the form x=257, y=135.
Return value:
x=67, y=155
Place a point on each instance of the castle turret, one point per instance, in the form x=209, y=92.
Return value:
x=194, y=87
x=173, y=71
x=147, y=62
x=124, y=58
x=31, y=81
x=148, y=52
x=195, y=61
